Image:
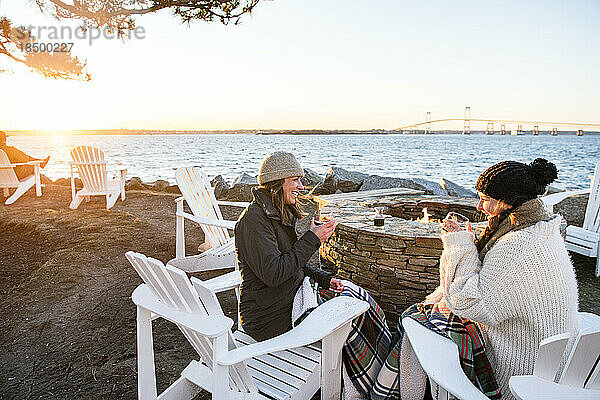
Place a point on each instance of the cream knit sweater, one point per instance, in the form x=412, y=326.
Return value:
x=524, y=292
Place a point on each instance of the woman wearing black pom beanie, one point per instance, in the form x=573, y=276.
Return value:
x=516, y=281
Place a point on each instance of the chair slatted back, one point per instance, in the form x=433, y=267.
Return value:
x=91, y=167
x=581, y=368
x=592, y=212
x=200, y=197
x=582, y=363
x=8, y=178
x=172, y=287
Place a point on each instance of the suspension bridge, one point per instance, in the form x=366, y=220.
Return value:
x=493, y=126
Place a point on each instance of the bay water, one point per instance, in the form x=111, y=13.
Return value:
x=459, y=158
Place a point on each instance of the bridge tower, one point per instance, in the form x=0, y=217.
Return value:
x=428, y=125
x=503, y=129
x=467, y=125
x=554, y=131
x=536, y=130
x=490, y=128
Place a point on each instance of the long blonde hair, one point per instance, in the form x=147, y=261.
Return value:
x=287, y=211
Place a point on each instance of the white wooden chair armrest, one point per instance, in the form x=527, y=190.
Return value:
x=221, y=283
x=35, y=162
x=555, y=198
x=323, y=321
x=241, y=204
x=532, y=387
x=439, y=358
x=180, y=198
x=222, y=223
x=210, y=326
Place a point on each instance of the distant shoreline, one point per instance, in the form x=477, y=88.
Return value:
x=141, y=132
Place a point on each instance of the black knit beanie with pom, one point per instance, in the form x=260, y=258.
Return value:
x=515, y=183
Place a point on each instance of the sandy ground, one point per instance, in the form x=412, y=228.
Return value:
x=67, y=325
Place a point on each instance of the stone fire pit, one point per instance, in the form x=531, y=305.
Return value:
x=399, y=262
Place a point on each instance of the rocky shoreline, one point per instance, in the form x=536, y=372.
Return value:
x=337, y=180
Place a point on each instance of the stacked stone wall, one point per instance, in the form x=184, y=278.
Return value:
x=397, y=271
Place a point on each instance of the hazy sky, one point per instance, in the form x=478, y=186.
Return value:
x=328, y=64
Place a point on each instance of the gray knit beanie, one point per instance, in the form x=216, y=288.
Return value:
x=278, y=165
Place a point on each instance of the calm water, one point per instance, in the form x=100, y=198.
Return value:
x=458, y=158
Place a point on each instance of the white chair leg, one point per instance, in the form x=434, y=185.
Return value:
x=598, y=262
x=111, y=199
x=220, y=372
x=38, y=180
x=122, y=183
x=21, y=189
x=145, y=356
x=179, y=233
x=77, y=200
x=331, y=363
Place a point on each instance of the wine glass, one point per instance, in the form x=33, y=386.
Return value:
x=458, y=218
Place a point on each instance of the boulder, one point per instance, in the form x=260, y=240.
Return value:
x=311, y=179
x=551, y=190
x=431, y=187
x=44, y=180
x=173, y=189
x=320, y=189
x=135, y=183
x=160, y=185
x=456, y=190
x=340, y=179
x=374, y=182
x=221, y=187
x=67, y=182
x=241, y=190
x=63, y=181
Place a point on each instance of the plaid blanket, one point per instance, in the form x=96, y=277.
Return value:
x=464, y=333
x=373, y=363
x=368, y=344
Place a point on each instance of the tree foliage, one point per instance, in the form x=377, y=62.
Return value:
x=117, y=15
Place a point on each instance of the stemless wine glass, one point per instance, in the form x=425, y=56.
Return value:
x=460, y=219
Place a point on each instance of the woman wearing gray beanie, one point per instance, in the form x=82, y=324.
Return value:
x=516, y=281
x=272, y=259
x=273, y=264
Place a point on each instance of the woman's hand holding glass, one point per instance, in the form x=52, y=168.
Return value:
x=454, y=222
x=323, y=230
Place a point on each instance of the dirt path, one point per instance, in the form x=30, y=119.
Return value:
x=66, y=318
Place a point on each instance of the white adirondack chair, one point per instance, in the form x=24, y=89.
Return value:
x=579, y=379
x=439, y=358
x=586, y=239
x=199, y=195
x=233, y=365
x=91, y=166
x=9, y=180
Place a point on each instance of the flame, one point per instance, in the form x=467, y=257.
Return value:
x=425, y=218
